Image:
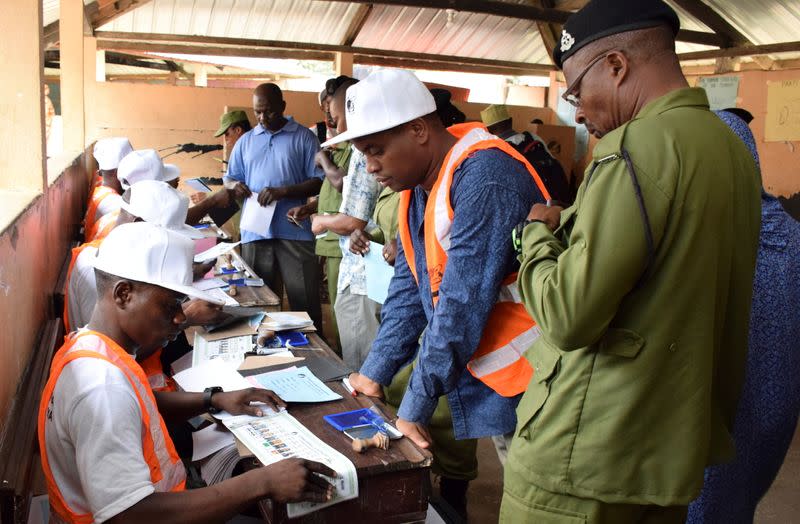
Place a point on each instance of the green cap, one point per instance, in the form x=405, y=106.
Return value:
x=230, y=118
x=494, y=114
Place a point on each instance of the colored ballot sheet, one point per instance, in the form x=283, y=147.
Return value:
x=379, y=273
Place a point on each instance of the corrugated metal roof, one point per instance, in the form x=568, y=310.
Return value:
x=411, y=29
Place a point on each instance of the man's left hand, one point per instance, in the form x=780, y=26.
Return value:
x=238, y=402
x=416, y=432
x=269, y=195
x=550, y=215
x=201, y=313
x=317, y=225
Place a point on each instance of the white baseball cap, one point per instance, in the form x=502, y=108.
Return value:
x=151, y=254
x=385, y=99
x=161, y=204
x=110, y=151
x=145, y=164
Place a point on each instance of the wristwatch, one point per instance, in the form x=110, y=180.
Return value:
x=207, y=394
x=516, y=233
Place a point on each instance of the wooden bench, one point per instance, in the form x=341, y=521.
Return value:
x=19, y=448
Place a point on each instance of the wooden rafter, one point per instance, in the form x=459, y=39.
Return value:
x=549, y=32
x=97, y=14
x=357, y=24
x=714, y=21
x=250, y=47
x=749, y=50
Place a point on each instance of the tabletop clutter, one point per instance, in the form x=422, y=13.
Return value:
x=272, y=350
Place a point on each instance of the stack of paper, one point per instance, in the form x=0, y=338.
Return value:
x=287, y=320
x=214, y=252
x=219, y=466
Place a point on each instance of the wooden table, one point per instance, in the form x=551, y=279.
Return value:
x=393, y=484
x=247, y=296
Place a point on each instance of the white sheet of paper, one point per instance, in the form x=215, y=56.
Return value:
x=231, y=350
x=296, y=385
x=218, y=293
x=208, y=283
x=255, y=217
x=210, y=440
x=197, y=185
x=213, y=252
x=283, y=321
x=379, y=273
x=211, y=373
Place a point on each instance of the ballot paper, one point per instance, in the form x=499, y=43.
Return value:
x=284, y=321
x=213, y=252
x=197, y=185
x=208, y=283
x=255, y=217
x=210, y=440
x=379, y=273
x=231, y=350
x=281, y=436
x=295, y=385
x=220, y=295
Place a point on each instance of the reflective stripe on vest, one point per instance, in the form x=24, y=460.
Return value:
x=498, y=361
x=167, y=472
x=154, y=370
x=76, y=251
x=99, y=194
x=103, y=226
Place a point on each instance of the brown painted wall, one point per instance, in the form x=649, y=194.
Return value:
x=32, y=251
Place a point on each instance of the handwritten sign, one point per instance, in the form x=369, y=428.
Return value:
x=721, y=91
x=783, y=111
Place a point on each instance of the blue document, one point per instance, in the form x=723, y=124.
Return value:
x=296, y=385
x=379, y=273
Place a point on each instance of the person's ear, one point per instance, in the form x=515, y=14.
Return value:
x=283, y=106
x=619, y=66
x=123, y=293
x=419, y=130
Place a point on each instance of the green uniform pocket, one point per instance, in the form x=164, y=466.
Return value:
x=621, y=342
x=544, y=360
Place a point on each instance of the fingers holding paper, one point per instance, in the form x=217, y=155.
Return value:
x=238, y=402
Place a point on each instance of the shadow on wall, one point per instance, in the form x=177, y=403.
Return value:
x=792, y=205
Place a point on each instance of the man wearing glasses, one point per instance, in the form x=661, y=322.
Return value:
x=641, y=289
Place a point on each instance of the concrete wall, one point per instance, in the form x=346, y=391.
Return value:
x=32, y=251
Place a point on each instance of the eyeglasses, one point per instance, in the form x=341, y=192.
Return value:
x=568, y=95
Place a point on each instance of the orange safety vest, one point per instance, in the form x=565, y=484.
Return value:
x=76, y=251
x=498, y=361
x=103, y=226
x=167, y=472
x=99, y=194
x=159, y=381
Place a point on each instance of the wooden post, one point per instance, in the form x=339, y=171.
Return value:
x=22, y=134
x=100, y=64
x=91, y=70
x=343, y=64
x=72, y=74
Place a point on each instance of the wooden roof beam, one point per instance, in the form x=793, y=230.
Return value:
x=750, y=50
x=714, y=21
x=357, y=24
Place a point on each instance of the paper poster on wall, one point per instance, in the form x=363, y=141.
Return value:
x=783, y=111
x=721, y=91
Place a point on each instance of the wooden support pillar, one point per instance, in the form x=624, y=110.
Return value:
x=72, y=74
x=343, y=64
x=22, y=131
x=91, y=69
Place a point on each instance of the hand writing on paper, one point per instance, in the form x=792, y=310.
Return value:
x=238, y=402
x=550, y=215
x=365, y=385
x=269, y=195
x=359, y=242
x=201, y=313
x=240, y=190
x=295, y=480
x=415, y=431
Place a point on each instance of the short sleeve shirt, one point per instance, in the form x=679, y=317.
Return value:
x=359, y=195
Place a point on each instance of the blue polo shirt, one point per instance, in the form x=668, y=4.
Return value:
x=263, y=159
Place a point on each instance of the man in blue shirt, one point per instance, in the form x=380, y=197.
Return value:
x=275, y=161
x=406, y=144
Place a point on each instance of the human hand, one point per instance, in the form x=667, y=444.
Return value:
x=390, y=251
x=238, y=402
x=269, y=195
x=550, y=215
x=359, y=242
x=415, y=431
x=365, y=385
x=296, y=479
x=318, y=224
x=322, y=159
x=299, y=213
x=240, y=190
x=223, y=197
x=201, y=268
x=201, y=313
x=198, y=197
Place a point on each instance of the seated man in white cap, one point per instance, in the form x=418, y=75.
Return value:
x=105, y=195
x=154, y=202
x=105, y=451
x=464, y=190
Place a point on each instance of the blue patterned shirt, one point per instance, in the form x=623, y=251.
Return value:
x=359, y=195
x=491, y=193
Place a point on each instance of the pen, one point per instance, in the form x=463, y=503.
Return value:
x=349, y=387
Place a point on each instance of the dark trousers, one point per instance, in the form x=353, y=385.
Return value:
x=290, y=263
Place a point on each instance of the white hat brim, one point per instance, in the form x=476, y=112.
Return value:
x=171, y=172
x=350, y=135
x=190, y=232
x=192, y=292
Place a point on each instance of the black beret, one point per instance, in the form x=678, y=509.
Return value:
x=601, y=18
